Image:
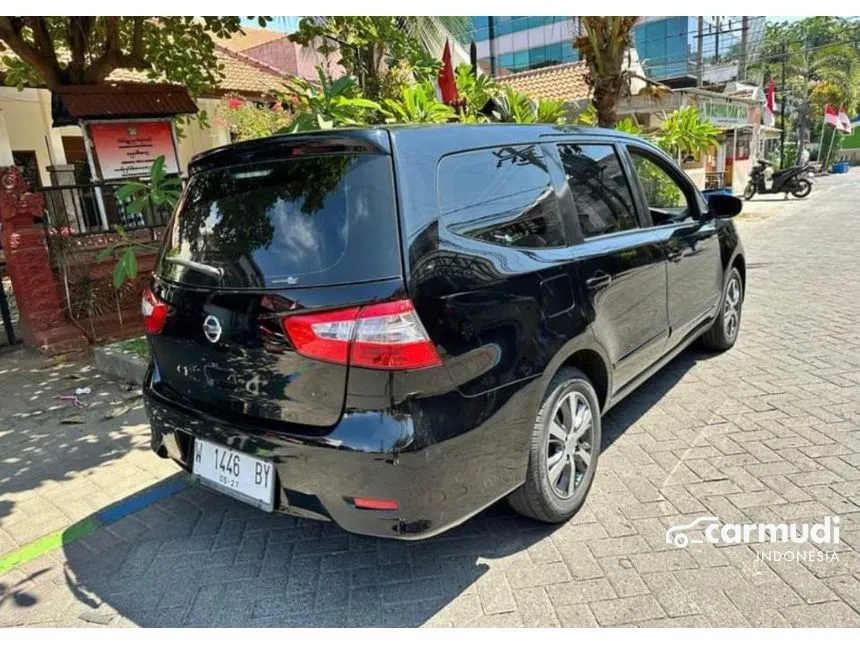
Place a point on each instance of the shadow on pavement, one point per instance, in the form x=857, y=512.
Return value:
x=199, y=558
x=44, y=440
x=649, y=394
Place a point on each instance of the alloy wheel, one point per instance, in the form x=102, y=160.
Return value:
x=732, y=307
x=570, y=443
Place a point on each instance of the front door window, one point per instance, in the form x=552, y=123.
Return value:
x=666, y=200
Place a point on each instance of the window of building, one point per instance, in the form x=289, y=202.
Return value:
x=501, y=196
x=599, y=188
x=521, y=60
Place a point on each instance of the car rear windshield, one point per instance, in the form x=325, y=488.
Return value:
x=303, y=222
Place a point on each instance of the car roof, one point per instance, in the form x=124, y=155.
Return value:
x=381, y=138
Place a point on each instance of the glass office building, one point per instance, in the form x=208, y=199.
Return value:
x=667, y=45
x=510, y=44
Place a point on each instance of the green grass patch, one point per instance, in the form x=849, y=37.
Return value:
x=136, y=346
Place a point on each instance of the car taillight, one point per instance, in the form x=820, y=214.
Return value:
x=386, y=336
x=154, y=312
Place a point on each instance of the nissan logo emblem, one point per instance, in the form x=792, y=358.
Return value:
x=212, y=329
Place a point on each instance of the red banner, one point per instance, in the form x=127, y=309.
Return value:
x=127, y=149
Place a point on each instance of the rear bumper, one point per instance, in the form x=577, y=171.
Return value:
x=367, y=454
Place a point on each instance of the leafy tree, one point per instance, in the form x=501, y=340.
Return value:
x=517, y=107
x=683, y=132
x=332, y=104
x=604, y=42
x=84, y=50
x=249, y=120
x=370, y=45
x=817, y=50
x=474, y=92
x=418, y=104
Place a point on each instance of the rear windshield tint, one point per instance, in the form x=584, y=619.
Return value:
x=303, y=222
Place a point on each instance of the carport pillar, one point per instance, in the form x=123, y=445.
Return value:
x=41, y=308
x=5, y=143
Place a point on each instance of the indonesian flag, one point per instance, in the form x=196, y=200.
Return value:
x=830, y=117
x=446, y=85
x=844, y=121
x=769, y=103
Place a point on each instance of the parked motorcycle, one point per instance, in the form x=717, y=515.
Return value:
x=795, y=180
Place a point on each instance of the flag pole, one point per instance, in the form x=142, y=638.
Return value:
x=821, y=143
x=832, y=142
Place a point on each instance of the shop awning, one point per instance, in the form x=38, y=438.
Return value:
x=71, y=103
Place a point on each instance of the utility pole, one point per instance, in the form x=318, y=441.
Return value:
x=742, y=59
x=717, y=42
x=491, y=34
x=782, y=111
x=699, y=46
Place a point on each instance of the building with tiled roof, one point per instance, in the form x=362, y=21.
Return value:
x=560, y=82
x=249, y=38
x=276, y=51
x=241, y=75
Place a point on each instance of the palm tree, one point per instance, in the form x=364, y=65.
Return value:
x=433, y=31
x=604, y=42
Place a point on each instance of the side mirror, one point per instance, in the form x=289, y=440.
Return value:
x=721, y=205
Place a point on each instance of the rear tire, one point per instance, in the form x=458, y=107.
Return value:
x=802, y=187
x=724, y=332
x=749, y=191
x=564, y=451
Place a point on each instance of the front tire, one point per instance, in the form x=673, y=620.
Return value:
x=802, y=187
x=724, y=332
x=749, y=191
x=564, y=451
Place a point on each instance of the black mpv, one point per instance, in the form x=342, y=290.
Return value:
x=392, y=328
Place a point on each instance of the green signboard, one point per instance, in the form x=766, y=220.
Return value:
x=720, y=113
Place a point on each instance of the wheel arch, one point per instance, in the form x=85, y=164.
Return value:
x=740, y=264
x=586, y=355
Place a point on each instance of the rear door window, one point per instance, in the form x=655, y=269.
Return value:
x=301, y=222
x=601, y=194
x=501, y=196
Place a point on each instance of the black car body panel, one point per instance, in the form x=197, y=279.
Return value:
x=504, y=279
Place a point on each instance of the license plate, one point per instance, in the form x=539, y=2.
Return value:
x=232, y=472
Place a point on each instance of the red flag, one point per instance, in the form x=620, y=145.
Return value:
x=769, y=103
x=447, y=85
x=830, y=117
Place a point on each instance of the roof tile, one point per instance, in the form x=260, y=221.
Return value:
x=559, y=82
x=253, y=37
x=242, y=74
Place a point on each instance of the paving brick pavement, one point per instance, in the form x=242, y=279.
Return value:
x=769, y=431
x=58, y=463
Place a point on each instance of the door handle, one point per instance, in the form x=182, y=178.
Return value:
x=598, y=280
x=675, y=255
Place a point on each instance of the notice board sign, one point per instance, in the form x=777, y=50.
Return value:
x=126, y=149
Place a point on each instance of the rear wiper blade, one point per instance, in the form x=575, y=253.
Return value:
x=215, y=272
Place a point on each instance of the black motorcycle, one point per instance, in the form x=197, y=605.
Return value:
x=794, y=180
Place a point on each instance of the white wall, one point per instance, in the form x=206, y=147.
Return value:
x=28, y=126
x=199, y=139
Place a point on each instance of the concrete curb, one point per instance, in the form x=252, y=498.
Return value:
x=124, y=365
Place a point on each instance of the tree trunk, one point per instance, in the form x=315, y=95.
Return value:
x=606, y=96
